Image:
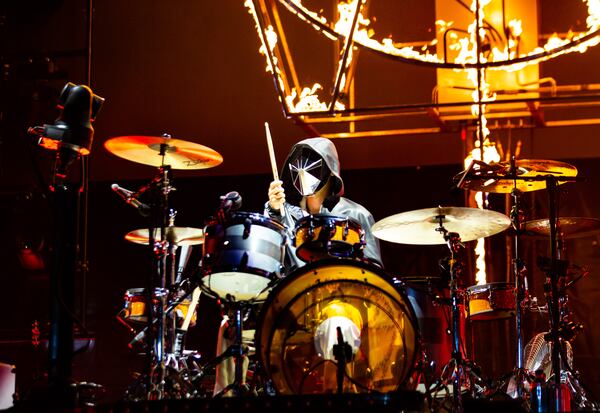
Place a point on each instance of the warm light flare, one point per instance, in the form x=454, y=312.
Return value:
x=364, y=36
x=490, y=154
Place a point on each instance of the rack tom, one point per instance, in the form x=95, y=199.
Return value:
x=323, y=236
x=491, y=301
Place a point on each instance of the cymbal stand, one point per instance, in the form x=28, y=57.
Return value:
x=522, y=295
x=551, y=287
x=159, y=279
x=453, y=242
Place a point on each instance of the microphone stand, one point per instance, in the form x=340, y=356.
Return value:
x=342, y=353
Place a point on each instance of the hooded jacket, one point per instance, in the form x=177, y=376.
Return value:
x=334, y=204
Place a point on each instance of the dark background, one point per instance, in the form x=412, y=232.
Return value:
x=192, y=69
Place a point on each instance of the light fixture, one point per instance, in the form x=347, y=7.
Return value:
x=485, y=49
x=72, y=133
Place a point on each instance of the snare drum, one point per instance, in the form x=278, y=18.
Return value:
x=135, y=309
x=325, y=236
x=491, y=301
x=298, y=323
x=242, y=256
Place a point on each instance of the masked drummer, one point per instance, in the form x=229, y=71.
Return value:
x=311, y=184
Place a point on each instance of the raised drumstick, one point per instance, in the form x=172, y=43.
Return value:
x=273, y=161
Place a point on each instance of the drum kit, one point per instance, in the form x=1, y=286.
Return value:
x=339, y=322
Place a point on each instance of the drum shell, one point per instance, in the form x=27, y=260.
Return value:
x=243, y=254
x=351, y=277
x=433, y=314
x=135, y=309
x=492, y=301
x=324, y=236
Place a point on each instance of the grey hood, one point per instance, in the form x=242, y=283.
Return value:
x=326, y=150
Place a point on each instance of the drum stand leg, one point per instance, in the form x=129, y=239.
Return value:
x=457, y=363
x=521, y=297
x=236, y=350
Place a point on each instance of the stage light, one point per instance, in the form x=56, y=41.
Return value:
x=72, y=133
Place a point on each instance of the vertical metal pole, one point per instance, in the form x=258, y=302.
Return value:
x=519, y=285
x=85, y=165
x=551, y=186
x=479, y=80
x=62, y=295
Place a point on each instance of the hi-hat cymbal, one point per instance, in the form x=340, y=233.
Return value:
x=419, y=227
x=178, y=154
x=567, y=227
x=176, y=235
x=525, y=168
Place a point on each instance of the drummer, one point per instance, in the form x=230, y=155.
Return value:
x=311, y=176
x=311, y=184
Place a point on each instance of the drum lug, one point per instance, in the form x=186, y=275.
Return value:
x=311, y=231
x=247, y=227
x=345, y=231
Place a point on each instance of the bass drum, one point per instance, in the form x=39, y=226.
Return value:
x=303, y=315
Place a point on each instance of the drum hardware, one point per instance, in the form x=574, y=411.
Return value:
x=297, y=330
x=524, y=175
x=163, y=340
x=419, y=227
x=243, y=255
x=531, y=175
x=159, y=151
x=453, y=241
x=442, y=225
x=322, y=236
x=567, y=227
x=237, y=351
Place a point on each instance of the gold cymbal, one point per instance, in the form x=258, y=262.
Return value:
x=419, y=227
x=525, y=168
x=175, y=235
x=178, y=154
x=567, y=227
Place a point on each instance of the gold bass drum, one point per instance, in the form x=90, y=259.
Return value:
x=298, y=327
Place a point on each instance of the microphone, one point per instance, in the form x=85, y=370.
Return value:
x=231, y=201
x=129, y=197
x=138, y=337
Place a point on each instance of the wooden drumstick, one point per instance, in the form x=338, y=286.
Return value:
x=273, y=161
x=191, y=309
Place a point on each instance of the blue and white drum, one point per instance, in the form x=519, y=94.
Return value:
x=243, y=256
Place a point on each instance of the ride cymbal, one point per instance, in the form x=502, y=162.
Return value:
x=178, y=154
x=567, y=227
x=419, y=227
x=504, y=179
x=176, y=235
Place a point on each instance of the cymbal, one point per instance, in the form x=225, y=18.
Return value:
x=419, y=227
x=567, y=227
x=176, y=235
x=525, y=168
x=179, y=154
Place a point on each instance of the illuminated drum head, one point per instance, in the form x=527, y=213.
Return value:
x=298, y=323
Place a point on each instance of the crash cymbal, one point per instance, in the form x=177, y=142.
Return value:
x=567, y=227
x=419, y=227
x=176, y=235
x=179, y=154
x=525, y=168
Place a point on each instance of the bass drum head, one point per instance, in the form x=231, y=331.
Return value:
x=298, y=324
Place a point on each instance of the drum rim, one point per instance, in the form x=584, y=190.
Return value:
x=263, y=219
x=498, y=286
x=332, y=262
x=329, y=217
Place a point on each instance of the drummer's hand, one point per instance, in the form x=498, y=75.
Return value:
x=276, y=195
